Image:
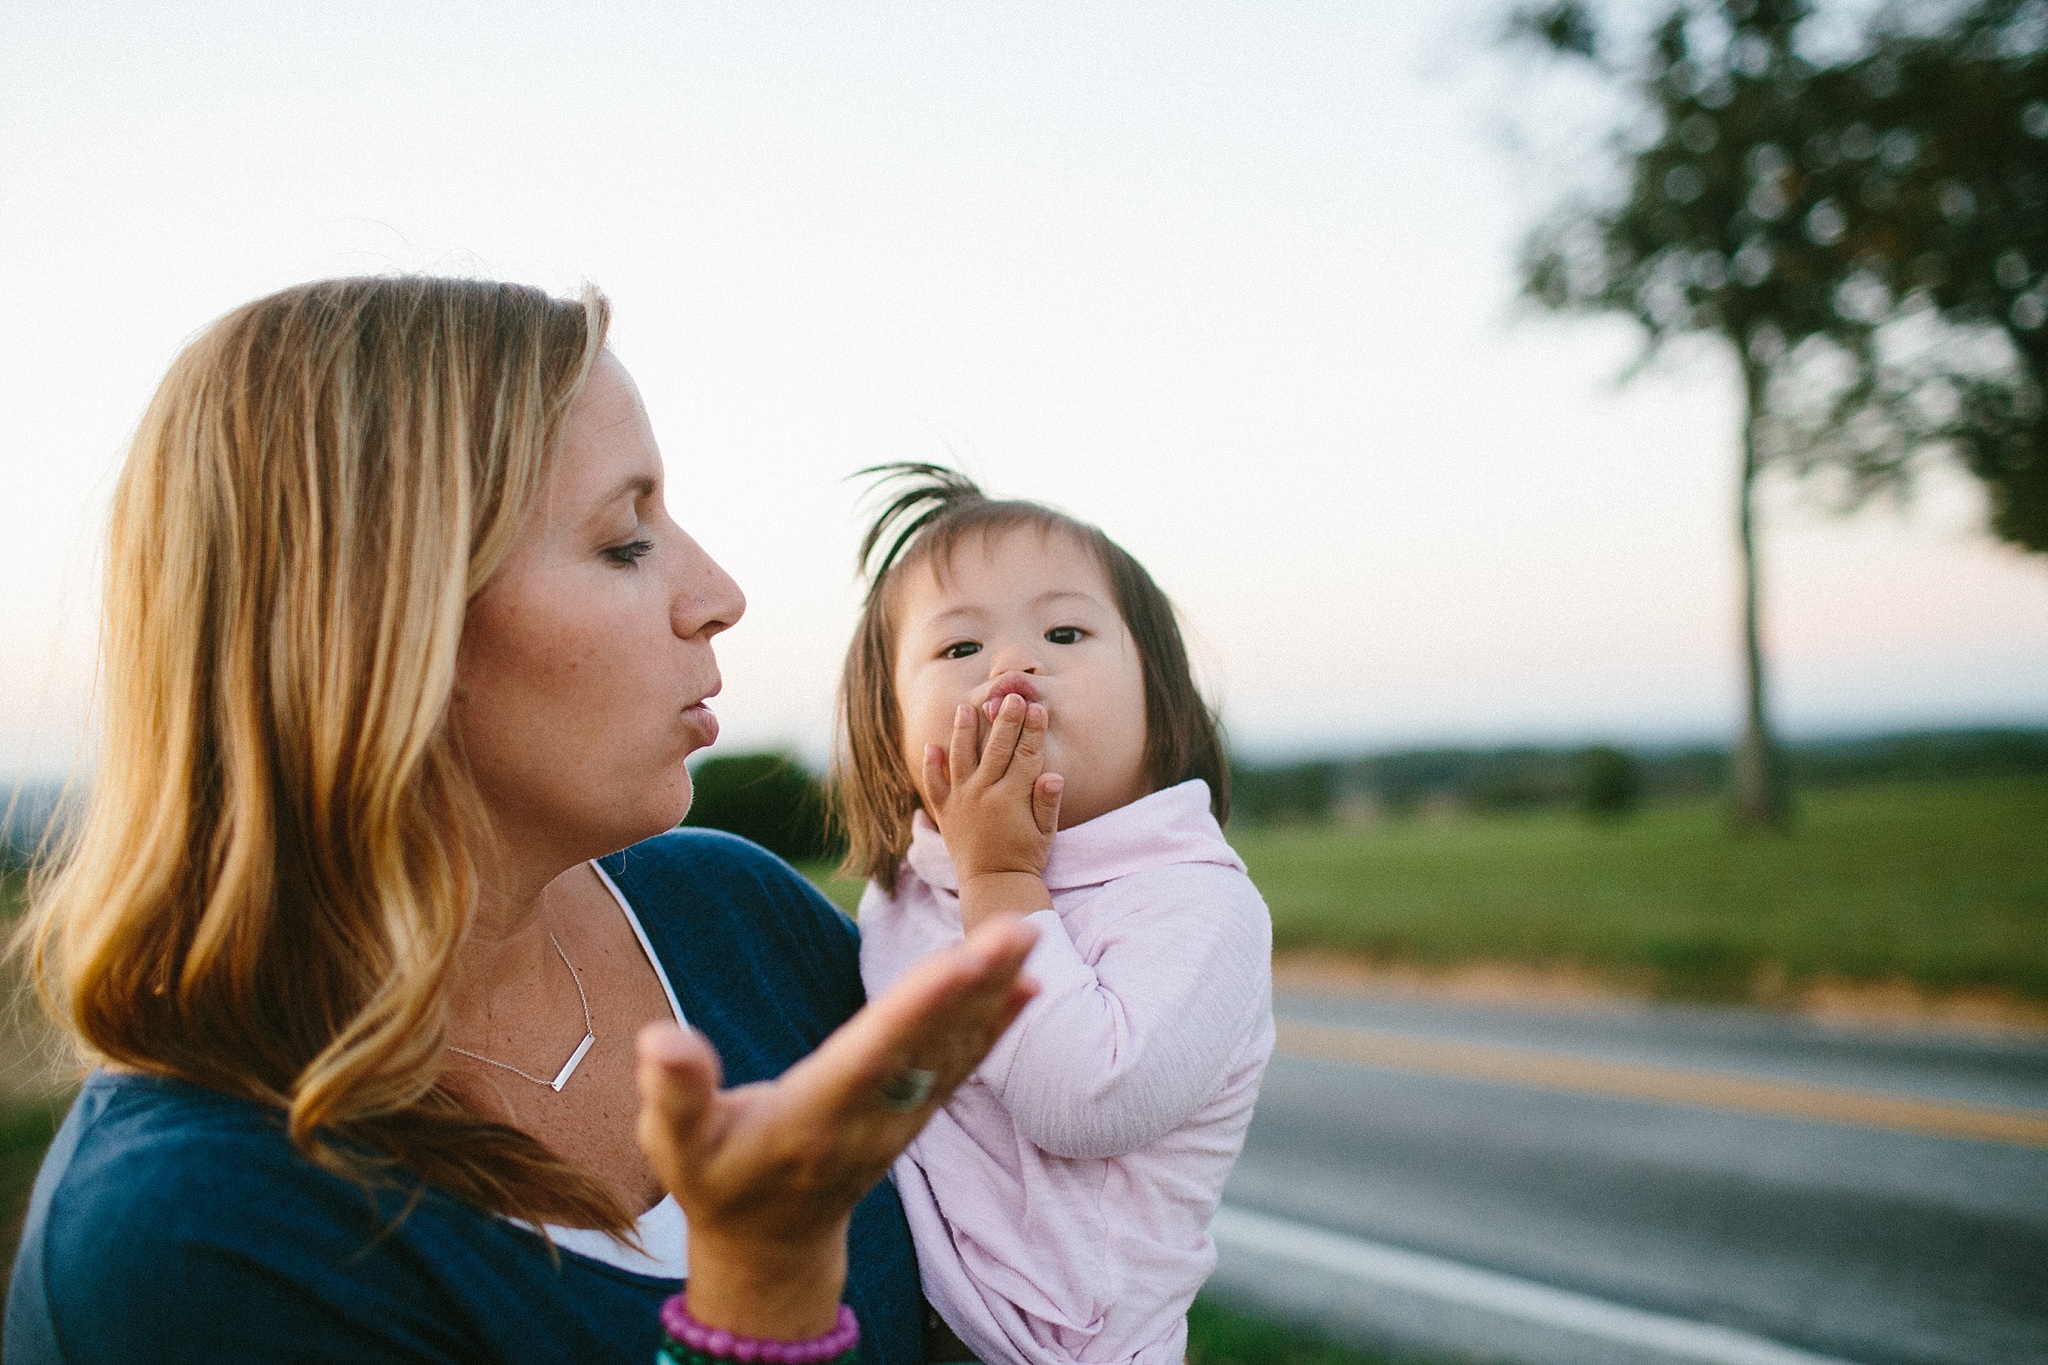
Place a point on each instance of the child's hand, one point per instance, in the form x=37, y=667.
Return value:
x=998, y=818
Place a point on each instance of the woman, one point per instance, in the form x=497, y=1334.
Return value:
x=400, y=640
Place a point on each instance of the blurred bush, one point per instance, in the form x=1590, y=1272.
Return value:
x=1281, y=792
x=769, y=798
x=1610, y=782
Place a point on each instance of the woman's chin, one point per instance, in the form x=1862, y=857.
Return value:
x=661, y=811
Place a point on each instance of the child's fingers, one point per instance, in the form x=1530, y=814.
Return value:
x=966, y=729
x=938, y=782
x=1031, y=739
x=1027, y=759
x=1045, y=802
x=1002, y=739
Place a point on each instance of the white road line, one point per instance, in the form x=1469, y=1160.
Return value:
x=1382, y=1268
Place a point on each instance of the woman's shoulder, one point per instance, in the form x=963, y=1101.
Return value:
x=759, y=959
x=176, y=1222
x=707, y=857
x=159, y=1194
x=133, y=1139
x=185, y=1166
x=723, y=884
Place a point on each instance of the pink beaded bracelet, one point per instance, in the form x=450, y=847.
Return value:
x=719, y=1344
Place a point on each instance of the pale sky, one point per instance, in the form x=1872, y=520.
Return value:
x=1232, y=280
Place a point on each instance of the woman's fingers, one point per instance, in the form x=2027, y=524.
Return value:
x=941, y=1018
x=678, y=1075
x=763, y=1167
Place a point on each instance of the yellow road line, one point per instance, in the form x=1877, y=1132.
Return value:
x=1664, y=1085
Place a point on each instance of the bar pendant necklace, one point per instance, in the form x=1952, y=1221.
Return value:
x=575, y=1058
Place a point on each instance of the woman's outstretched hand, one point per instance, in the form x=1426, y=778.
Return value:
x=767, y=1174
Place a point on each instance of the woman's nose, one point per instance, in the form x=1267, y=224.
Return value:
x=709, y=600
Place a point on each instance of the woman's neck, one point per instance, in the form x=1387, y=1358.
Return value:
x=508, y=935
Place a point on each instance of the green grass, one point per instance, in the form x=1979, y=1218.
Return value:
x=26, y=1127
x=1941, y=884
x=842, y=892
x=1221, y=1335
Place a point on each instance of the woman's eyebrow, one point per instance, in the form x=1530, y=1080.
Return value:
x=635, y=486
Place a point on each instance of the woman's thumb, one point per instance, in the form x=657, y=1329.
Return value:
x=678, y=1076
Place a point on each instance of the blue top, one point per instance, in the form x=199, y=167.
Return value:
x=174, y=1223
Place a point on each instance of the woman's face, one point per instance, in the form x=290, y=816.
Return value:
x=586, y=657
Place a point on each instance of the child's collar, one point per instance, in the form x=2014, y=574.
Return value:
x=1167, y=827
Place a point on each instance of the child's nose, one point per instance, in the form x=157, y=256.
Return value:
x=1014, y=657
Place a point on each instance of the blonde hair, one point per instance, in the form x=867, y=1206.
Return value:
x=276, y=865
x=932, y=512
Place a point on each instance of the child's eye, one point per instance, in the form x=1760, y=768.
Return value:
x=629, y=553
x=960, y=649
x=1064, y=635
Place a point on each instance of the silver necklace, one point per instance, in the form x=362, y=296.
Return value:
x=575, y=1058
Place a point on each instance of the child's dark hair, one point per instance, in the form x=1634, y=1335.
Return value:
x=930, y=512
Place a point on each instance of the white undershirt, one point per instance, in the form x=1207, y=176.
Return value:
x=661, y=1229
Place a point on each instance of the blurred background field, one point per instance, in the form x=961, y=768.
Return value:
x=1943, y=884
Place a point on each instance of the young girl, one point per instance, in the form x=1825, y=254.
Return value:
x=1016, y=673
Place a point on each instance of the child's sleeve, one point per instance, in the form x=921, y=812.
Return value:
x=1123, y=1046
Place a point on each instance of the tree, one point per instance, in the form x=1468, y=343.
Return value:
x=1849, y=233
x=1946, y=227
x=1610, y=782
x=1699, y=243
x=769, y=798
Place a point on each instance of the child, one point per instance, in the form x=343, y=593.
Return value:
x=1016, y=673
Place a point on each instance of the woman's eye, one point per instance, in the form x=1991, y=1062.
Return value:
x=629, y=553
x=960, y=649
x=1064, y=635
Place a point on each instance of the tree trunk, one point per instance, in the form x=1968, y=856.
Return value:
x=1762, y=797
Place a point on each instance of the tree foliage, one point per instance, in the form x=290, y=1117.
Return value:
x=769, y=798
x=1867, y=231
x=1610, y=782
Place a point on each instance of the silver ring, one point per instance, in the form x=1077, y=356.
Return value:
x=909, y=1088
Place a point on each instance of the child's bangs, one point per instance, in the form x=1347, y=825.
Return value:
x=957, y=529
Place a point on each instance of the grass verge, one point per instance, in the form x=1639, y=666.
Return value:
x=1222, y=1335
x=1940, y=884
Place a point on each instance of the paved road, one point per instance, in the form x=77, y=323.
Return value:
x=1829, y=1189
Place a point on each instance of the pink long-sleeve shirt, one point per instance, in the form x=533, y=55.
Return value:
x=1061, y=1200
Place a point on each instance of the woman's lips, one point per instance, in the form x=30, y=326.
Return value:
x=704, y=722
